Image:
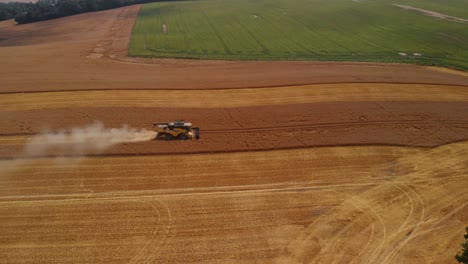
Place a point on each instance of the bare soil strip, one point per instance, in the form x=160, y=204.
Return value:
x=434, y=14
x=414, y=123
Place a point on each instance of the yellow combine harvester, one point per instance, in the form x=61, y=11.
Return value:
x=176, y=130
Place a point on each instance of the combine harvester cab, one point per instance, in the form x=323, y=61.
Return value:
x=176, y=130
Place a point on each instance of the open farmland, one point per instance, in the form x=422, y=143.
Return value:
x=357, y=204
x=298, y=161
x=303, y=179
x=335, y=30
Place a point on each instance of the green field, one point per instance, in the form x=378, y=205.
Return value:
x=336, y=30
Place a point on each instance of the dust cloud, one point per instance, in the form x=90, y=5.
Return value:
x=70, y=145
x=80, y=141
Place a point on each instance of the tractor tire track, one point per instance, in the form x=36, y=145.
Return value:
x=218, y=35
x=330, y=125
x=369, y=241
x=395, y=246
x=149, y=251
x=381, y=221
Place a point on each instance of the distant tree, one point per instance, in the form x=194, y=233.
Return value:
x=108, y=4
x=49, y=9
x=11, y=9
x=89, y=5
x=462, y=256
x=4, y=15
x=68, y=8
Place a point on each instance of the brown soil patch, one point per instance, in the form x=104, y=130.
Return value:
x=422, y=124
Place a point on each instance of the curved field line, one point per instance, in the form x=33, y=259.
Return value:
x=331, y=242
x=414, y=235
x=309, y=233
x=371, y=237
x=382, y=223
x=449, y=214
x=394, y=235
x=410, y=214
x=411, y=200
x=337, y=259
x=136, y=258
x=147, y=257
x=402, y=243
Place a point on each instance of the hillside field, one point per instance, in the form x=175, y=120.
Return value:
x=298, y=161
x=335, y=30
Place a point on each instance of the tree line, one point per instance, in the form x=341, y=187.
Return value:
x=462, y=256
x=50, y=9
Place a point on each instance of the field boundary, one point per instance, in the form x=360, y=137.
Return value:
x=208, y=152
x=228, y=88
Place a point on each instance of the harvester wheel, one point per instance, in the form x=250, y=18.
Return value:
x=182, y=136
x=168, y=136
